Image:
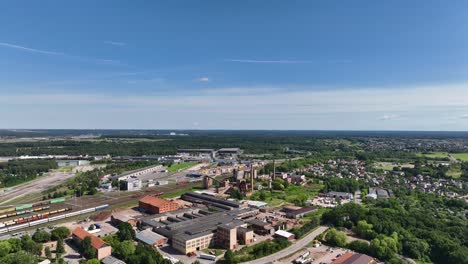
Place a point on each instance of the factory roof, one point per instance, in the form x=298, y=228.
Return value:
x=257, y=222
x=154, y=201
x=302, y=210
x=195, y=150
x=122, y=217
x=284, y=234
x=205, y=225
x=112, y=260
x=350, y=258
x=229, y=150
x=149, y=237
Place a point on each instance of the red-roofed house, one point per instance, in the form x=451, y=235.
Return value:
x=102, y=249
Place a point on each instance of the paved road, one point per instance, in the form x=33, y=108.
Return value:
x=290, y=250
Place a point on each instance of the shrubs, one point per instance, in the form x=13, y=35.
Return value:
x=306, y=228
x=60, y=232
x=260, y=250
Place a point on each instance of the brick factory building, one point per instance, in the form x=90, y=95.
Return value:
x=155, y=205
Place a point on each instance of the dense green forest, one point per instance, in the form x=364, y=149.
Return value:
x=422, y=226
x=19, y=171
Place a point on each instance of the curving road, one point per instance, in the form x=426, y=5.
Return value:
x=290, y=250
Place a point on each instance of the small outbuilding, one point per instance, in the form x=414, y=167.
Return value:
x=284, y=234
x=151, y=238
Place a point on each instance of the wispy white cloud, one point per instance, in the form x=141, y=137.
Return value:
x=55, y=53
x=388, y=117
x=203, y=79
x=150, y=80
x=116, y=43
x=268, y=61
x=23, y=48
x=424, y=108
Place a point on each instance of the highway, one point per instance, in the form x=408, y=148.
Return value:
x=290, y=250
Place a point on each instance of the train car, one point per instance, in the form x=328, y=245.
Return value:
x=3, y=230
x=72, y=214
x=7, y=210
x=9, y=223
x=24, y=206
x=41, y=203
x=87, y=210
x=3, y=216
x=2, y=225
x=38, y=222
x=21, y=221
x=59, y=200
x=16, y=227
x=41, y=208
x=11, y=214
x=57, y=217
x=102, y=207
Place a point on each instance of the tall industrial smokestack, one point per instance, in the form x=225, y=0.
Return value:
x=251, y=178
x=274, y=170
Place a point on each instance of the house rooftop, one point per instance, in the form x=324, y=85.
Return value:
x=96, y=242
x=154, y=201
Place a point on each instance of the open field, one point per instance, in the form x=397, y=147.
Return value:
x=181, y=166
x=434, y=155
x=290, y=195
x=460, y=156
x=455, y=171
x=388, y=166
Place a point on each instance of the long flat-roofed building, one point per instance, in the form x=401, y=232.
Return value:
x=199, y=233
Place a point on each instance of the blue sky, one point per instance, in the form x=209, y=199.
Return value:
x=380, y=65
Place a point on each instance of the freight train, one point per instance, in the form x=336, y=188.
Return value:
x=13, y=211
x=45, y=218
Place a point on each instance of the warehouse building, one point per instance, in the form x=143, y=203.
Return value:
x=72, y=163
x=151, y=238
x=136, y=173
x=191, y=235
x=133, y=184
x=118, y=218
x=228, y=152
x=156, y=205
x=298, y=213
x=210, y=201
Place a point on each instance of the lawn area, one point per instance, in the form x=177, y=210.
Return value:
x=261, y=249
x=292, y=194
x=181, y=166
x=434, y=155
x=455, y=171
x=180, y=192
x=388, y=166
x=216, y=251
x=460, y=156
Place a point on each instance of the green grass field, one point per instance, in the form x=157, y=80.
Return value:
x=181, y=166
x=460, y=156
x=434, y=155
